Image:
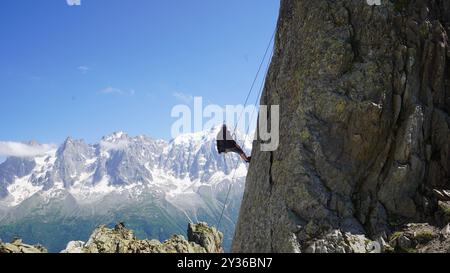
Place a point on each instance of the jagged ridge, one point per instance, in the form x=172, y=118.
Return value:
x=201, y=239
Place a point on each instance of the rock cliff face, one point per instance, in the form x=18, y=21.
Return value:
x=364, y=126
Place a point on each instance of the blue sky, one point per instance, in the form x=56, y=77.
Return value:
x=114, y=65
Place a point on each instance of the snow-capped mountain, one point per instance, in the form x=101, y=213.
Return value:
x=158, y=184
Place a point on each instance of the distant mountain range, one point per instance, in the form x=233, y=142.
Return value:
x=155, y=186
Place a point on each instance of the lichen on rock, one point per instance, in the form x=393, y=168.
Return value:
x=364, y=126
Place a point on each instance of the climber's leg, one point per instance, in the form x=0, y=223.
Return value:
x=245, y=157
x=237, y=149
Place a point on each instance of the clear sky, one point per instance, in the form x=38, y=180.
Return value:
x=119, y=65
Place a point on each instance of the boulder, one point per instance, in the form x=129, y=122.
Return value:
x=74, y=247
x=205, y=236
x=17, y=246
x=421, y=238
x=338, y=242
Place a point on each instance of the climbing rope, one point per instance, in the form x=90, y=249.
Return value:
x=248, y=127
x=254, y=82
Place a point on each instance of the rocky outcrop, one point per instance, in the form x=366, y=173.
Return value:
x=17, y=246
x=364, y=126
x=201, y=239
x=337, y=242
x=421, y=238
x=209, y=238
x=74, y=247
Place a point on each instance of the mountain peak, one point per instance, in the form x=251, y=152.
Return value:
x=69, y=139
x=119, y=135
x=71, y=142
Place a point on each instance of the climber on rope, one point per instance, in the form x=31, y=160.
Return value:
x=226, y=144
